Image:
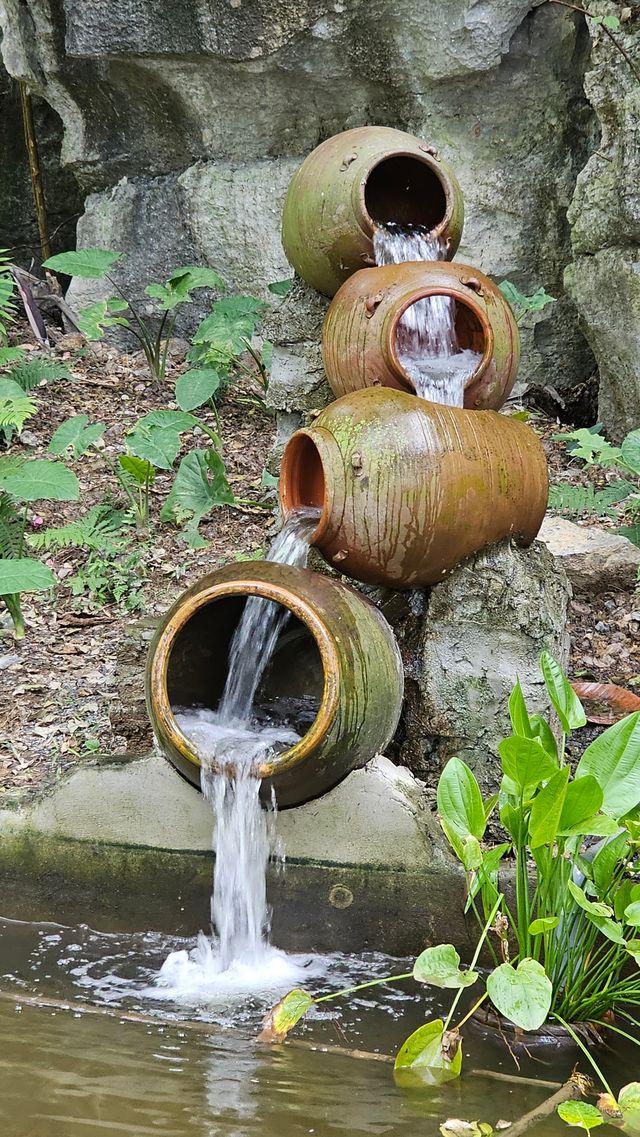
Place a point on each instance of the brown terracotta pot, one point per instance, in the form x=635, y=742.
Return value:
x=336, y=647
x=408, y=489
x=349, y=182
x=359, y=339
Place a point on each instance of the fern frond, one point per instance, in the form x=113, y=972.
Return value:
x=29, y=375
x=15, y=412
x=10, y=528
x=7, y=302
x=101, y=529
x=575, y=500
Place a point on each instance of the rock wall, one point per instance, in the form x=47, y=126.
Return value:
x=604, y=278
x=184, y=122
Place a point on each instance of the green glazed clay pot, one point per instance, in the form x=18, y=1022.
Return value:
x=350, y=182
x=359, y=338
x=336, y=647
x=408, y=488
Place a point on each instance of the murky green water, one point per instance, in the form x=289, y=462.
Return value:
x=197, y=1071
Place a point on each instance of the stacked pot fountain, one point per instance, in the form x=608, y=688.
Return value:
x=406, y=488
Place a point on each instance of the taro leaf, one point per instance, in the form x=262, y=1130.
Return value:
x=629, y=1106
x=93, y=320
x=518, y=713
x=9, y=389
x=280, y=287
x=582, y=801
x=35, y=371
x=40, y=480
x=562, y=695
x=168, y=420
x=580, y=1113
x=544, y=924
x=155, y=444
x=523, y=994
x=525, y=762
x=88, y=263
x=231, y=323
x=632, y=914
x=138, y=470
x=631, y=451
x=179, y=285
x=200, y=484
x=440, y=967
x=196, y=387
x=284, y=1016
x=430, y=1052
x=613, y=759
x=460, y=806
x=22, y=574
x=544, y=819
x=76, y=436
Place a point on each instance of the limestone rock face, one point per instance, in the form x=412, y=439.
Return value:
x=206, y=109
x=464, y=645
x=604, y=278
x=594, y=559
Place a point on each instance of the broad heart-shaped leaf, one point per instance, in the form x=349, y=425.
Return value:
x=440, y=967
x=525, y=762
x=40, y=480
x=284, y=1016
x=631, y=450
x=24, y=575
x=583, y=800
x=523, y=994
x=196, y=387
x=231, y=323
x=431, y=1053
x=518, y=713
x=629, y=1106
x=544, y=924
x=168, y=420
x=562, y=694
x=137, y=469
x=613, y=759
x=181, y=282
x=460, y=804
x=544, y=819
x=76, y=436
x=9, y=389
x=93, y=320
x=580, y=1113
x=88, y=263
x=199, y=485
x=155, y=444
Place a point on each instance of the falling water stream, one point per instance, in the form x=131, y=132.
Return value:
x=231, y=744
x=426, y=341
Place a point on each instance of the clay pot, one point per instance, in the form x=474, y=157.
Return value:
x=408, y=488
x=336, y=648
x=359, y=344
x=349, y=182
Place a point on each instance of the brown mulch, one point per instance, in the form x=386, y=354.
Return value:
x=74, y=684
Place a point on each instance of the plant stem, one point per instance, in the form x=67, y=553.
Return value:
x=361, y=986
x=473, y=1010
x=616, y=43
x=476, y=956
x=546, y=1108
x=584, y=1050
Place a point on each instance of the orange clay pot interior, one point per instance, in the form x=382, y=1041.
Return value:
x=305, y=485
x=472, y=332
x=406, y=191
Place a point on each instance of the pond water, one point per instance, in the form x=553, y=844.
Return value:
x=192, y=1068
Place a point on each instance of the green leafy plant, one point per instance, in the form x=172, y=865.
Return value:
x=524, y=305
x=219, y=344
x=153, y=334
x=576, y=912
x=111, y=577
x=7, y=302
x=21, y=483
x=589, y=447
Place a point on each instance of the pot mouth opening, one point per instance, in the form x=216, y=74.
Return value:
x=406, y=190
x=299, y=689
x=303, y=484
x=473, y=332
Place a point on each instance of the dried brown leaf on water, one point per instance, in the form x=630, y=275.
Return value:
x=283, y=1017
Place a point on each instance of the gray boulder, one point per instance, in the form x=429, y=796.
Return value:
x=594, y=559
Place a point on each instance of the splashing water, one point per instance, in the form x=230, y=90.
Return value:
x=426, y=340
x=232, y=746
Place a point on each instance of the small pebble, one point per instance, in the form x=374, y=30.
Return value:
x=601, y=626
x=610, y=605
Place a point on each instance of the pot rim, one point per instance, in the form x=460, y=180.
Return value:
x=322, y=441
x=420, y=293
x=303, y=610
x=368, y=223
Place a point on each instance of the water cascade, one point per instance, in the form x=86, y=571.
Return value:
x=232, y=744
x=426, y=338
